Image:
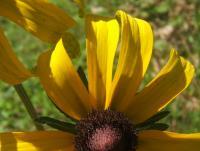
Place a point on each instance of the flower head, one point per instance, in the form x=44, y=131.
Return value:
x=109, y=111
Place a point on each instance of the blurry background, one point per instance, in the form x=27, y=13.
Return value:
x=175, y=23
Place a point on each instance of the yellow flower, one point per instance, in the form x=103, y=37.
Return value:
x=108, y=96
x=42, y=19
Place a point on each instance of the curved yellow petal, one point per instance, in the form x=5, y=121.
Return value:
x=174, y=77
x=62, y=83
x=12, y=70
x=36, y=141
x=39, y=17
x=168, y=141
x=134, y=57
x=101, y=42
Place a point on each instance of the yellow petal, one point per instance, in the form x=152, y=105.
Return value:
x=62, y=83
x=174, y=77
x=134, y=57
x=168, y=141
x=101, y=42
x=39, y=17
x=36, y=141
x=12, y=70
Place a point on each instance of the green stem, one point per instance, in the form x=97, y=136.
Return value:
x=27, y=103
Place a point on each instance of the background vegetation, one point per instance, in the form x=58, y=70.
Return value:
x=175, y=23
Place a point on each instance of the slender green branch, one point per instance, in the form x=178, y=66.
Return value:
x=27, y=103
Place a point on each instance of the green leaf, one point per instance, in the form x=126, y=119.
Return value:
x=158, y=126
x=155, y=118
x=60, y=125
x=83, y=76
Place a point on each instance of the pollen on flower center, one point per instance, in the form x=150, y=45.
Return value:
x=104, y=138
x=105, y=131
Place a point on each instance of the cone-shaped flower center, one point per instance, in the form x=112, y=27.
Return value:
x=105, y=131
x=104, y=138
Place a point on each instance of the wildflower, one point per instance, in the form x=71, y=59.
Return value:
x=39, y=17
x=109, y=111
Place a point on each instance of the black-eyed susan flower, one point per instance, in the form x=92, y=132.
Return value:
x=110, y=110
x=39, y=17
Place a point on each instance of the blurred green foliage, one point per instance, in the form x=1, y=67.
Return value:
x=176, y=24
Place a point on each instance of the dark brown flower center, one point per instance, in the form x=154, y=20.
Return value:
x=105, y=131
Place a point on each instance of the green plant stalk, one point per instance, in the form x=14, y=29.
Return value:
x=27, y=103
